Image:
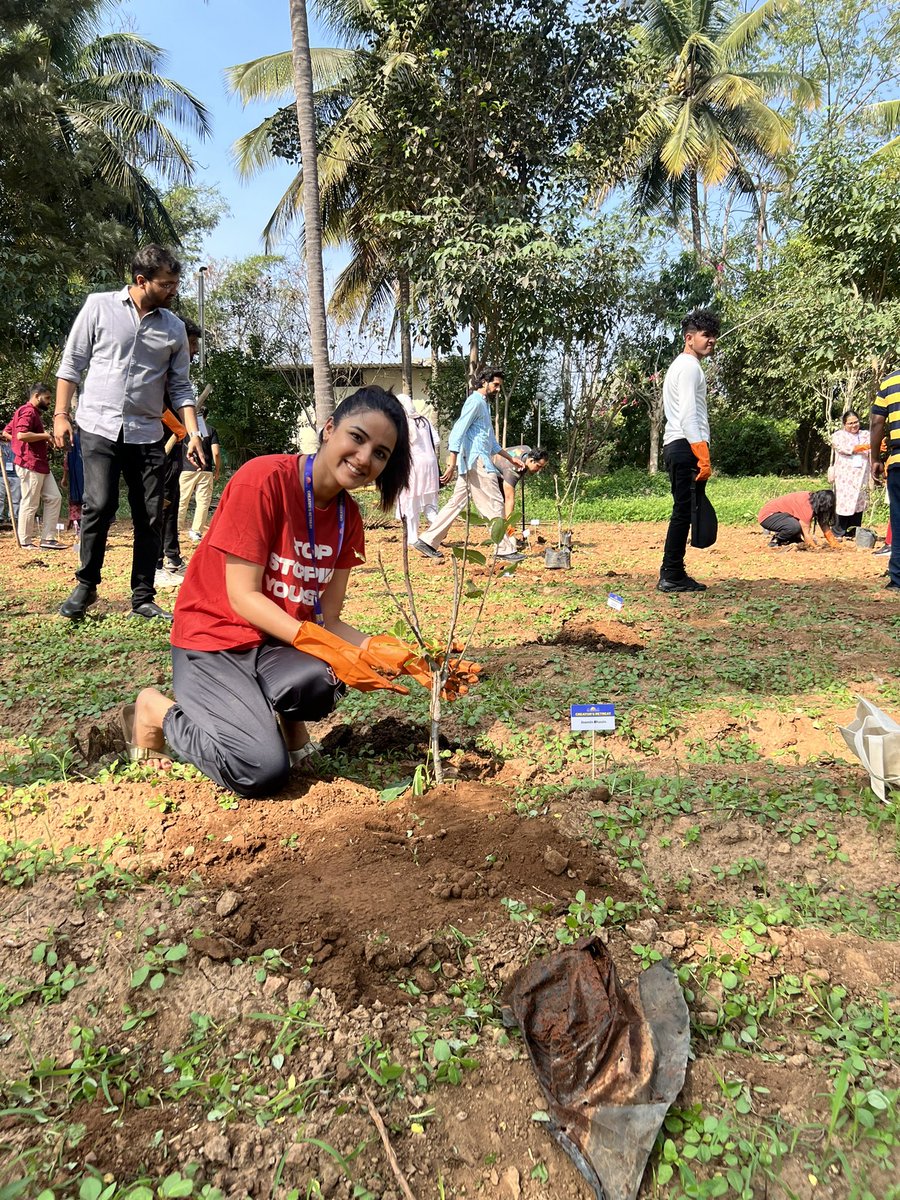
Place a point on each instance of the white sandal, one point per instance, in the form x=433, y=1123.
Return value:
x=310, y=750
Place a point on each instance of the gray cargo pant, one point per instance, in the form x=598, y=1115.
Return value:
x=227, y=702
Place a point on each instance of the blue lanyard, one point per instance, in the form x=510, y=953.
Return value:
x=311, y=531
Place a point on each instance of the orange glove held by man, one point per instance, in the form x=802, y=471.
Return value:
x=348, y=662
x=704, y=466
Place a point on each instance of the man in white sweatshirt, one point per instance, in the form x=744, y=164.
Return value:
x=686, y=442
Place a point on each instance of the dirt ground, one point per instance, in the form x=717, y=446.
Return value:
x=338, y=938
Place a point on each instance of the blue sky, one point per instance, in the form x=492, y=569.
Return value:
x=201, y=40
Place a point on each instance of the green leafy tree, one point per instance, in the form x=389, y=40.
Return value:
x=444, y=109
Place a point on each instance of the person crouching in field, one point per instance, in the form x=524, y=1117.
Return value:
x=258, y=644
x=790, y=518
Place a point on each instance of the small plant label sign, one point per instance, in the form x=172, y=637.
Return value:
x=592, y=717
x=615, y=601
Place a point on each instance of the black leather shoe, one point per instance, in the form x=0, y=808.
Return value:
x=80, y=600
x=150, y=612
x=680, y=585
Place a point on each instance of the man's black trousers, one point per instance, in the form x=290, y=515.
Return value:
x=141, y=466
x=681, y=463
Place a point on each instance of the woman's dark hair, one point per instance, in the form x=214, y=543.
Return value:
x=822, y=504
x=848, y=414
x=395, y=476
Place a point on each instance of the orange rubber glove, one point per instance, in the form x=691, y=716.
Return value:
x=831, y=540
x=704, y=466
x=390, y=656
x=173, y=424
x=348, y=662
x=864, y=449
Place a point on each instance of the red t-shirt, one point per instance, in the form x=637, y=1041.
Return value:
x=33, y=456
x=795, y=504
x=261, y=517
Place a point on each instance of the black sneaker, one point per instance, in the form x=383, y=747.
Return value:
x=175, y=566
x=428, y=551
x=685, y=584
x=150, y=612
x=510, y=558
x=78, y=602
x=882, y=552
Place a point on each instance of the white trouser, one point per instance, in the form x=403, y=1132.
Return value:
x=35, y=489
x=484, y=488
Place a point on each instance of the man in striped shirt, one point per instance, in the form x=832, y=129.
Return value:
x=884, y=421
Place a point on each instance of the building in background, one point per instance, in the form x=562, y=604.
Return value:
x=349, y=377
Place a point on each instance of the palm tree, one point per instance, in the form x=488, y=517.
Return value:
x=706, y=118
x=113, y=103
x=312, y=217
x=351, y=195
x=101, y=102
x=885, y=115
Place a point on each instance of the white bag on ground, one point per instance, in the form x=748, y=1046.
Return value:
x=874, y=738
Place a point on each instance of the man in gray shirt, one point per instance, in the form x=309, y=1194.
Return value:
x=133, y=350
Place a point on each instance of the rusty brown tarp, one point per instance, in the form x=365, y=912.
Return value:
x=610, y=1059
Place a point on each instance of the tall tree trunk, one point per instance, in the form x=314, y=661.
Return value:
x=695, y=215
x=323, y=387
x=404, y=302
x=474, y=332
x=656, y=419
x=761, y=227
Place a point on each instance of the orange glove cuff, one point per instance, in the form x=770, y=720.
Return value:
x=704, y=466
x=348, y=662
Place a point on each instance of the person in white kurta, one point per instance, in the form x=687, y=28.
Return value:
x=421, y=494
x=851, y=473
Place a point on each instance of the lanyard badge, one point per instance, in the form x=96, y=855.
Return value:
x=310, y=502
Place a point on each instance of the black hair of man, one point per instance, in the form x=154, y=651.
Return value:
x=192, y=329
x=701, y=320
x=39, y=389
x=486, y=376
x=538, y=455
x=153, y=260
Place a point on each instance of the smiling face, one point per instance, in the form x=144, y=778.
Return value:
x=851, y=423
x=355, y=452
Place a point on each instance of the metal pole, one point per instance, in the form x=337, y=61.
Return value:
x=522, y=486
x=201, y=311
x=539, y=422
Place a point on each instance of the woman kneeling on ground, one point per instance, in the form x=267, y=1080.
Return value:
x=258, y=644
x=790, y=518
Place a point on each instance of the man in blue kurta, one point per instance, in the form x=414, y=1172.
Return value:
x=471, y=449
